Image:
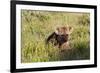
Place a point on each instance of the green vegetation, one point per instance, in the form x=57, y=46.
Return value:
x=38, y=25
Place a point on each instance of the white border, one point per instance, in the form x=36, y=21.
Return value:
x=20, y=65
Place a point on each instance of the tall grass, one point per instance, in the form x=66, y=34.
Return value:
x=38, y=25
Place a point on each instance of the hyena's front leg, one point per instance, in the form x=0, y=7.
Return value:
x=65, y=46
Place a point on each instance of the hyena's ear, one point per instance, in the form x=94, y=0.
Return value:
x=70, y=29
x=57, y=30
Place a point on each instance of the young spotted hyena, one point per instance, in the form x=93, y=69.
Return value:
x=60, y=37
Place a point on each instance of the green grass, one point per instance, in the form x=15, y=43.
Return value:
x=38, y=25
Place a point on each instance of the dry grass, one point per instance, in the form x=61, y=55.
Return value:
x=38, y=25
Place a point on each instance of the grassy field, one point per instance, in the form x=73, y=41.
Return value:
x=38, y=25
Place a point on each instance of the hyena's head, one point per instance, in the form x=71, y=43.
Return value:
x=64, y=30
x=63, y=34
x=60, y=36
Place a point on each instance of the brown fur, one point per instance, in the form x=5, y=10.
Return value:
x=60, y=37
